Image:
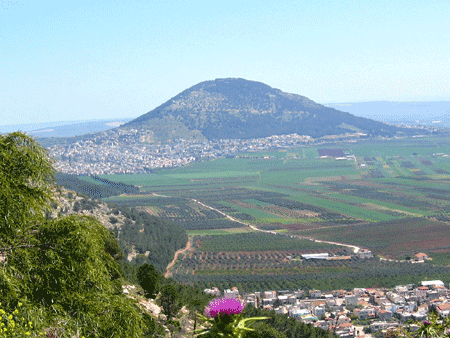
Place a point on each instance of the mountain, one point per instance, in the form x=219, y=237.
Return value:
x=238, y=108
x=431, y=113
x=64, y=128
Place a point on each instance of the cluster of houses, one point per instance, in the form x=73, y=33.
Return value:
x=355, y=313
x=119, y=151
x=132, y=151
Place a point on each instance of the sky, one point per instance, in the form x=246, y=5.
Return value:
x=84, y=60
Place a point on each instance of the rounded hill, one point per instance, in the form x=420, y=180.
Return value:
x=237, y=108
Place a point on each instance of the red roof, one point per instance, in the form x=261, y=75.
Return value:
x=444, y=306
x=346, y=325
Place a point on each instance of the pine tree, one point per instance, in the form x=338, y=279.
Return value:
x=149, y=279
x=170, y=300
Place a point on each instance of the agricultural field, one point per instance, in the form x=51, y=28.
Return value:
x=316, y=275
x=256, y=261
x=389, y=196
x=381, y=181
x=257, y=241
x=392, y=239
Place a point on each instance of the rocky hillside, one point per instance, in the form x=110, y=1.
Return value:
x=142, y=237
x=71, y=203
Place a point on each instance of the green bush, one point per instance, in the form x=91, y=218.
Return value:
x=15, y=324
x=65, y=271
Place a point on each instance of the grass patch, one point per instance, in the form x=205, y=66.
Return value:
x=257, y=241
x=211, y=232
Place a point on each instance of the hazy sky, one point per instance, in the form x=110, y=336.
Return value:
x=83, y=60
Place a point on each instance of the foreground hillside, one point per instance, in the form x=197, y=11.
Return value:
x=142, y=237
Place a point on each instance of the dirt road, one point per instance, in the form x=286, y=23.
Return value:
x=178, y=252
x=354, y=247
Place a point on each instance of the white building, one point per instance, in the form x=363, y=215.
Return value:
x=359, y=291
x=298, y=313
x=443, y=309
x=351, y=300
x=315, y=293
x=213, y=291
x=377, y=326
x=319, y=311
x=252, y=300
x=231, y=294
x=365, y=313
x=433, y=283
x=281, y=310
x=316, y=256
x=283, y=299
x=364, y=253
x=268, y=301
x=270, y=294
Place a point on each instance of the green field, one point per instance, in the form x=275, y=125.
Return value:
x=283, y=269
x=392, y=197
x=386, y=182
x=256, y=241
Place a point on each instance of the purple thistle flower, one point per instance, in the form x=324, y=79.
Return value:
x=426, y=322
x=221, y=306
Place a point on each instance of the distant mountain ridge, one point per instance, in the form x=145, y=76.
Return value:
x=393, y=112
x=65, y=128
x=237, y=108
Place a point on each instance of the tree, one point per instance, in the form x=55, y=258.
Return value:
x=262, y=330
x=195, y=300
x=170, y=300
x=277, y=303
x=25, y=186
x=149, y=279
x=63, y=270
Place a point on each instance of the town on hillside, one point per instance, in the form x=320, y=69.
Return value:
x=129, y=152
x=359, y=313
